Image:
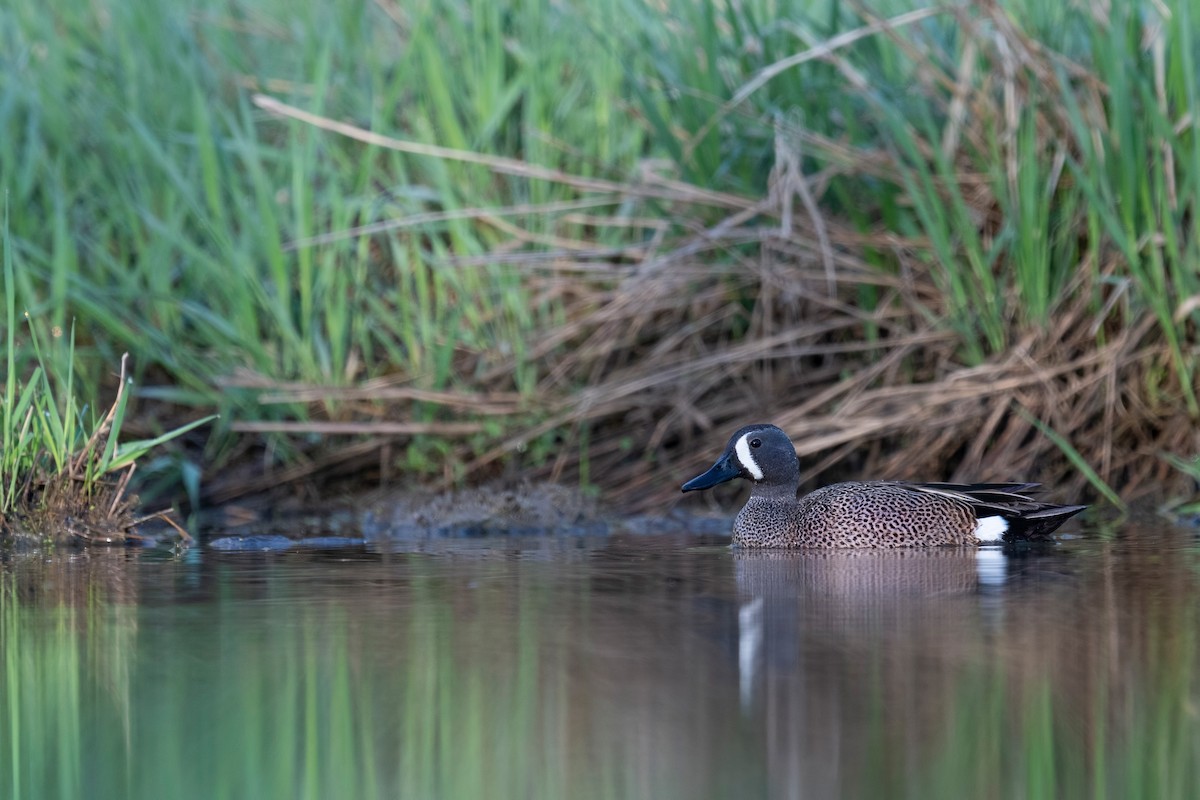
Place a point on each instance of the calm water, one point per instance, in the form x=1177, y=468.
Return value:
x=632, y=667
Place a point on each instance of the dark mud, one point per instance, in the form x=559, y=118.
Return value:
x=528, y=510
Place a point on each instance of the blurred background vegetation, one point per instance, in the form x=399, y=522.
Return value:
x=452, y=240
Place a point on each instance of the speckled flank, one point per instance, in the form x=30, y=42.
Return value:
x=855, y=515
x=867, y=513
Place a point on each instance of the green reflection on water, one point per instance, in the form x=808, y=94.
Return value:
x=427, y=684
x=637, y=668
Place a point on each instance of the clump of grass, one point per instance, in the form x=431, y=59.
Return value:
x=58, y=481
x=60, y=487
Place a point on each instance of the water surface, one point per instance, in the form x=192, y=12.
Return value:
x=621, y=666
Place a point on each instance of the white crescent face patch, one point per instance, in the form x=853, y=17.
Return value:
x=742, y=448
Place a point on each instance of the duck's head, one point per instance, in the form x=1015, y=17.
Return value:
x=760, y=453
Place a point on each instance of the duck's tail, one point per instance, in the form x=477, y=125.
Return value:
x=1006, y=510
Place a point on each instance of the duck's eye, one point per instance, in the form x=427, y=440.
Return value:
x=756, y=442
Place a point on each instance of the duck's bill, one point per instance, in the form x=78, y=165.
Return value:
x=726, y=469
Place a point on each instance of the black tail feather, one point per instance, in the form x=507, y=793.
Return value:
x=1039, y=523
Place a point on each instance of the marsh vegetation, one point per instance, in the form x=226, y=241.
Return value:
x=455, y=241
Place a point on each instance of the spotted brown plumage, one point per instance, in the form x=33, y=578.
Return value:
x=868, y=513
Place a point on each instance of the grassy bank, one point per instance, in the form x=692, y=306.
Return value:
x=451, y=239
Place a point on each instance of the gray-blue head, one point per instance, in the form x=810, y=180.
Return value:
x=760, y=453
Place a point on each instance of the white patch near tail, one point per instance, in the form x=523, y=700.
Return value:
x=990, y=529
x=991, y=565
x=742, y=448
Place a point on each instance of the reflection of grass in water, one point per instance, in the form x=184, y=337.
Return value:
x=58, y=662
x=278, y=701
x=1140, y=740
x=322, y=707
x=448, y=694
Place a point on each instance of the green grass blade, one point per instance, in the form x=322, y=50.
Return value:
x=1076, y=459
x=128, y=452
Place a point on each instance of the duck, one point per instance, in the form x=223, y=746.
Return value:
x=861, y=514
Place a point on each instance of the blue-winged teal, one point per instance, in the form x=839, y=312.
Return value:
x=867, y=513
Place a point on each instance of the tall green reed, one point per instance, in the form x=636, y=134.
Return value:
x=181, y=229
